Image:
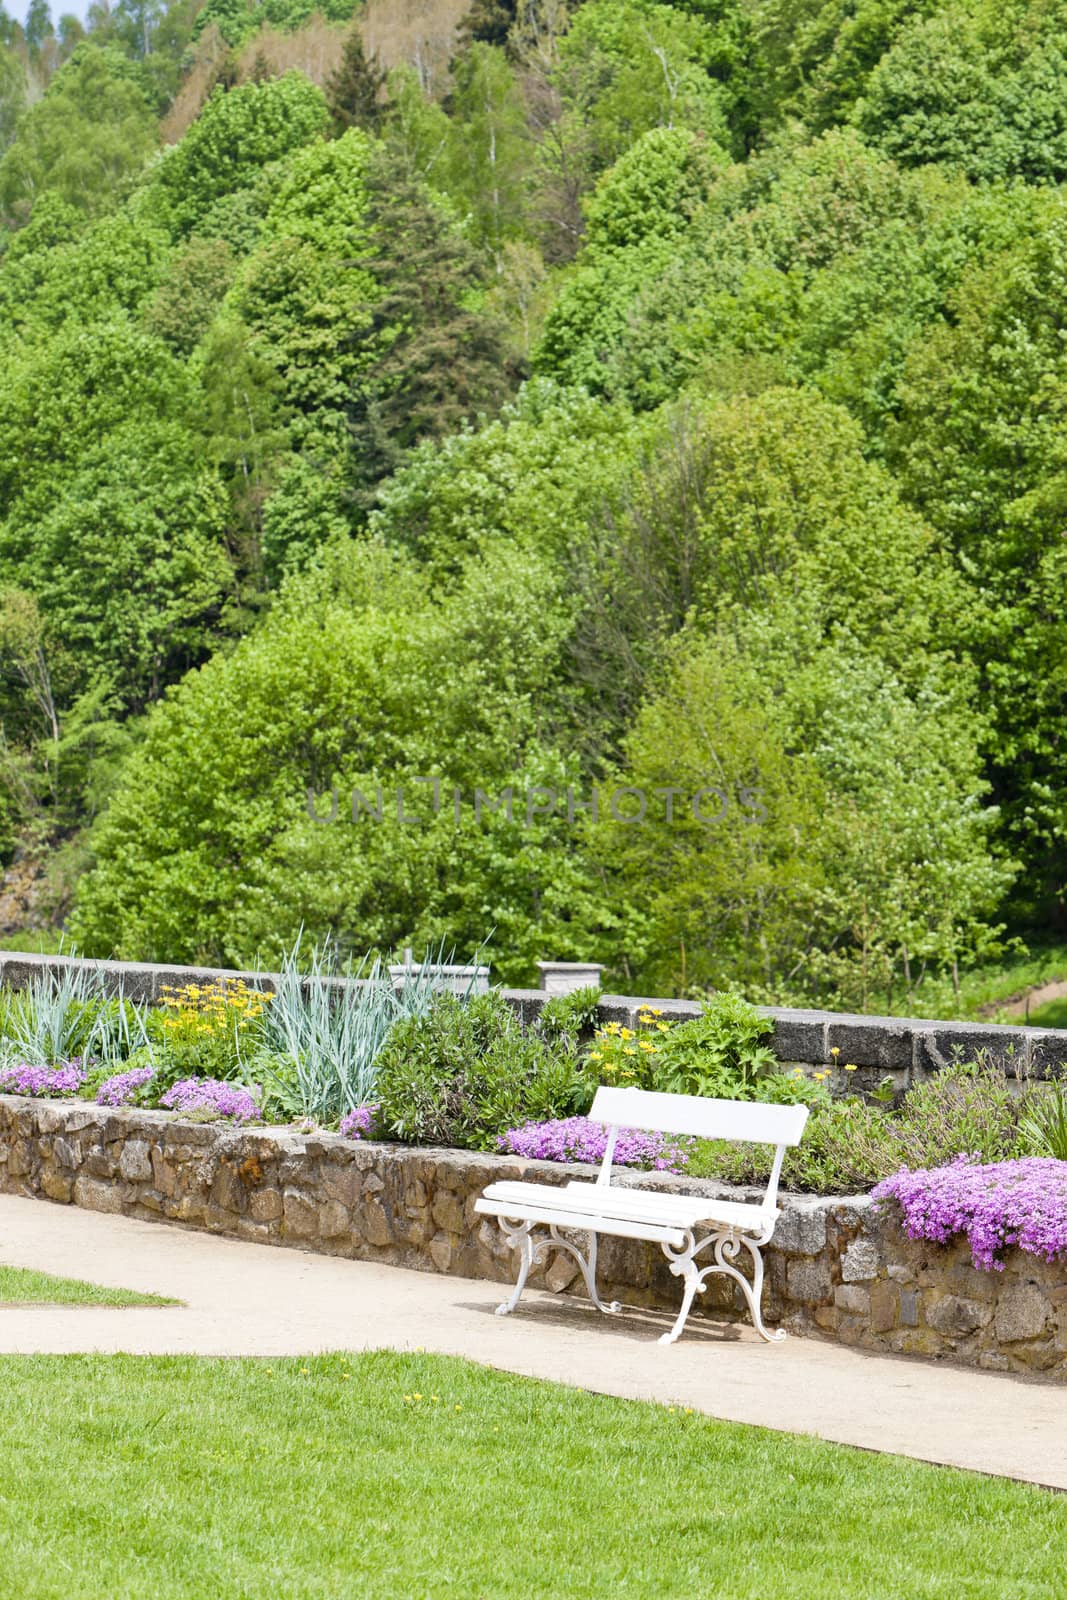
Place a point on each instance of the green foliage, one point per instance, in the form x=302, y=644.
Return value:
x=319, y=1041
x=465, y=1071
x=968, y=1108
x=626, y=68
x=974, y=89
x=569, y=1017
x=354, y=89
x=341, y=687
x=1044, y=1127
x=718, y=1054
x=91, y=133
x=234, y=137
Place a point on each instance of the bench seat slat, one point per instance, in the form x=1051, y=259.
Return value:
x=697, y=1208
x=638, y=1205
x=586, y=1221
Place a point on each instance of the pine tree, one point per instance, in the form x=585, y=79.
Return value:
x=434, y=363
x=353, y=92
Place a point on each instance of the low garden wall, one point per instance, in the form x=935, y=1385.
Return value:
x=903, y=1048
x=835, y=1267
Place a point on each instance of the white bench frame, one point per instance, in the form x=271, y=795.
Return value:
x=669, y=1220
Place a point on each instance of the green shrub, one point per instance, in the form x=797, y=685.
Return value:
x=569, y=1018
x=1044, y=1126
x=848, y=1145
x=465, y=1071
x=718, y=1054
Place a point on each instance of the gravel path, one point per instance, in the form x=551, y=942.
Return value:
x=248, y=1299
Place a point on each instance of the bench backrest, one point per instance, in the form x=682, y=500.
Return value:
x=744, y=1121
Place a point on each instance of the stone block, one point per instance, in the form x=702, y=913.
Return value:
x=19, y=1159
x=164, y=1176
x=265, y=1205
x=342, y=1184
x=809, y=1281
x=227, y=1190
x=1048, y=1051
x=300, y=1221
x=66, y=1153
x=333, y=1219
x=135, y=1162
x=615, y=1008
x=853, y=1297
x=562, y=1273
x=441, y=1251
x=57, y=1186
x=939, y=1044
x=527, y=1004
x=97, y=1196
x=801, y=1230
x=798, y=1035
x=956, y=1317
x=447, y=1211
x=375, y=1224
x=885, y=1307
x=909, y=1308
x=882, y=1042
x=861, y=1261
x=1022, y=1312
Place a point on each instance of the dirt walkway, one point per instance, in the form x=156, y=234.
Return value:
x=247, y=1299
x=1022, y=1005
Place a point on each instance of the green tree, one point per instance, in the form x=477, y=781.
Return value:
x=234, y=138
x=342, y=685
x=354, y=89
x=489, y=147
x=92, y=132
x=432, y=361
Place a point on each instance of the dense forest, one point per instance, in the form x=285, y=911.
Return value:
x=614, y=396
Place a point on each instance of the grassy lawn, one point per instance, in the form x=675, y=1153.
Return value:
x=417, y=1477
x=20, y=1286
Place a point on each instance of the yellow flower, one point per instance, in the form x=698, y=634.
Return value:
x=850, y=1068
x=835, y=1050
x=646, y=1044
x=626, y=1033
x=663, y=1027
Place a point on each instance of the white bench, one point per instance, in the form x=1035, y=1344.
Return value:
x=669, y=1220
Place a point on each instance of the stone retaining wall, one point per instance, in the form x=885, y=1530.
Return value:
x=835, y=1267
x=903, y=1048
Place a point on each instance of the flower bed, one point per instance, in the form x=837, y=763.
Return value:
x=998, y=1206
x=579, y=1139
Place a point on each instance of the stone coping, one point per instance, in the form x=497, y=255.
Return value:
x=905, y=1047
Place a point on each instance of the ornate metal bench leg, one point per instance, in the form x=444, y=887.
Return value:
x=725, y=1248
x=754, y=1293
x=519, y=1238
x=693, y=1283
x=588, y=1266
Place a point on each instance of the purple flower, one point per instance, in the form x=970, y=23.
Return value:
x=579, y=1139
x=355, y=1124
x=122, y=1087
x=999, y=1206
x=24, y=1079
x=211, y=1094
